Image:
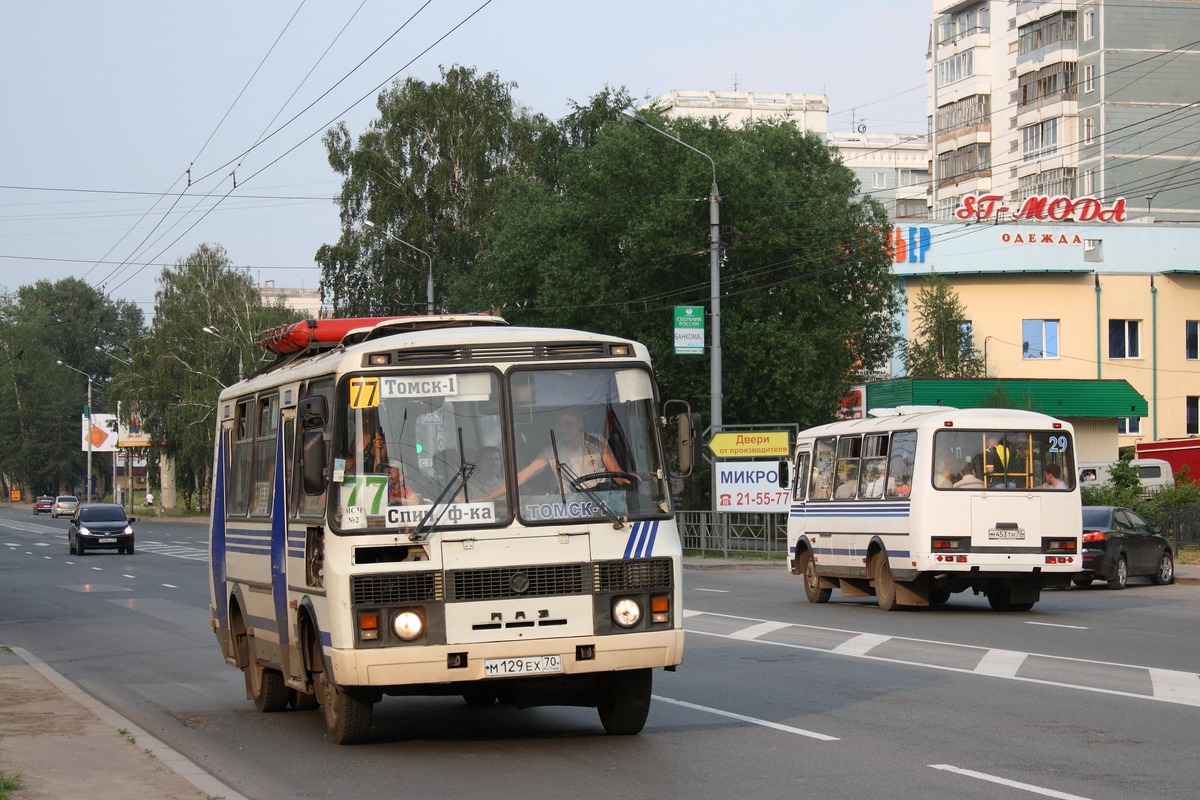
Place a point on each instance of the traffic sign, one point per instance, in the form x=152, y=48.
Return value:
x=741, y=444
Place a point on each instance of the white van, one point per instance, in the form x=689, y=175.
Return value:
x=1154, y=473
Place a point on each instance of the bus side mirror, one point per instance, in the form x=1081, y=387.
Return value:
x=785, y=481
x=312, y=412
x=312, y=455
x=688, y=439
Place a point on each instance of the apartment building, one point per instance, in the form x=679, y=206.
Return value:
x=1066, y=97
x=890, y=167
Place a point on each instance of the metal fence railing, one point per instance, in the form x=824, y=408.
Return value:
x=1181, y=526
x=711, y=534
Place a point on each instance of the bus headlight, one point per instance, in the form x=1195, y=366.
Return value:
x=626, y=612
x=408, y=625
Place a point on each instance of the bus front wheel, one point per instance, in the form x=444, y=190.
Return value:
x=812, y=584
x=625, y=702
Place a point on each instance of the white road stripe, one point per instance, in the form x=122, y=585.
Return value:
x=1057, y=625
x=1001, y=663
x=860, y=645
x=714, y=591
x=753, y=720
x=1178, y=687
x=1028, y=787
x=755, y=631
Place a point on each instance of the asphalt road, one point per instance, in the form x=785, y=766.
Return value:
x=1094, y=694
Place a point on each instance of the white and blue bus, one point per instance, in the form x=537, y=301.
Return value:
x=913, y=504
x=370, y=535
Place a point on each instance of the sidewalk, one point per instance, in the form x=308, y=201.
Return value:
x=61, y=743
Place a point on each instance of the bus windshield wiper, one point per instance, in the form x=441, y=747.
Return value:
x=449, y=489
x=573, y=479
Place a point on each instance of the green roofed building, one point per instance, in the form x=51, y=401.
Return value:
x=1091, y=406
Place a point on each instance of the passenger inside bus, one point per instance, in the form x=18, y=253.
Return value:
x=849, y=484
x=580, y=453
x=969, y=479
x=399, y=492
x=1052, y=478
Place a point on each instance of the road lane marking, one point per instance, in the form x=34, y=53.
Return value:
x=1059, y=625
x=1183, y=687
x=714, y=591
x=752, y=720
x=861, y=645
x=1028, y=787
x=755, y=631
x=1168, y=686
x=1001, y=663
x=170, y=585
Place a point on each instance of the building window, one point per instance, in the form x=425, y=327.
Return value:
x=1191, y=340
x=1129, y=426
x=1089, y=130
x=1123, y=338
x=1089, y=181
x=1046, y=32
x=1089, y=25
x=1039, y=338
x=1193, y=415
x=1089, y=78
x=956, y=68
x=1039, y=139
x=878, y=181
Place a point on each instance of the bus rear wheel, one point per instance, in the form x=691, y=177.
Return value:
x=270, y=690
x=885, y=587
x=625, y=703
x=812, y=584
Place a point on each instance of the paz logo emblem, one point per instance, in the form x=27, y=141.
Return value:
x=519, y=583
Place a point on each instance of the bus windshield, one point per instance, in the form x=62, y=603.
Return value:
x=419, y=448
x=431, y=451
x=586, y=446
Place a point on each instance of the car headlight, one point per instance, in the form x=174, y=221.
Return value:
x=129, y=530
x=84, y=531
x=626, y=612
x=408, y=625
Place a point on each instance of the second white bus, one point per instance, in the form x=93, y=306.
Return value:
x=915, y=504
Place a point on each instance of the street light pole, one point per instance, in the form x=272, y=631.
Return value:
x=714, y=269
x=88, y=480
x=429, y=258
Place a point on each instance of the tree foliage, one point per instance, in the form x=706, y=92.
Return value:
x=942, y=346
x=41, y=324
x=427, y=171
x=178, y=368
x=618, y=236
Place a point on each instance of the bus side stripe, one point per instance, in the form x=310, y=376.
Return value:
x=217, y=539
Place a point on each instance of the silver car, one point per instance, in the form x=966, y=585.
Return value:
x=64, y=506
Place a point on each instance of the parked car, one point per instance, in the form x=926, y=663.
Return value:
x=100, y=526
x=1118, y=544
x=64, y=506
x=43, y=504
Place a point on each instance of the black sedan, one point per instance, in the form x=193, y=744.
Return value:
x=1118, y=544
x=100, y=526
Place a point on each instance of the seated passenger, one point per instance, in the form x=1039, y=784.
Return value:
x=969, y=479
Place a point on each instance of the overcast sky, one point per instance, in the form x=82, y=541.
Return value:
x=106, y=106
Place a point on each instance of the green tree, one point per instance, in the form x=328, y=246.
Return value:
x=942, y=346
x=427, y=171
x=619, y=236
x=178, y=368
x=41, y=324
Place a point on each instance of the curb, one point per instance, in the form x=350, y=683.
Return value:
x=172, y=760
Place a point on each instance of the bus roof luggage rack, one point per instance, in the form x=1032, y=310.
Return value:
x=325, y=334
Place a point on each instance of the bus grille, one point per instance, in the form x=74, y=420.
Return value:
x=548, y=580
x=634, y=574
x=402, y=587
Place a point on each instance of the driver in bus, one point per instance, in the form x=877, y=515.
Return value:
x=581, y=453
